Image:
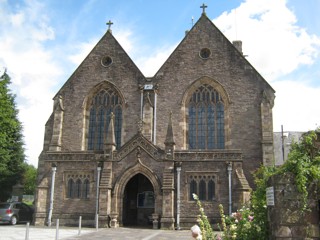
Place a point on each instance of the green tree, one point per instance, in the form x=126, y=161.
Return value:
x=11, y=143
x=29, y=179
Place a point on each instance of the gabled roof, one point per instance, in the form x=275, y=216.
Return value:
x=139, y=141
x=108, y=41
x=205, y=25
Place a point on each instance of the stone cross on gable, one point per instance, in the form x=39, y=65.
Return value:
x=203, y=6
x=109, y=25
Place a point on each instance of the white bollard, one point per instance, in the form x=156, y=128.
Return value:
x=57, y=230
x=97, y=222
x=79, y=232
x=27, y=231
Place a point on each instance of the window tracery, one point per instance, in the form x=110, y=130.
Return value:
x=105, y=102
x=206, y=119
x=203, y=185
x=78, y=186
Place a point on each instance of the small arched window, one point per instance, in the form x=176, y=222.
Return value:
x=77, y=192
x=70, y=188
x=203, y=185
x=206, y=119
x=86, y=188
x=193, y=189
x=202, y=190
x=211, y=190
x=105, y=102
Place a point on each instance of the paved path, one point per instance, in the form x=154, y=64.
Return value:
x=18, y=232
x=134, y=233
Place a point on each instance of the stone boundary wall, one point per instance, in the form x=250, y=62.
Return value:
x=286, y=222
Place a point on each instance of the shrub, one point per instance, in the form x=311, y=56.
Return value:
x=251, y=222
x=205, y=226
x=240, y=225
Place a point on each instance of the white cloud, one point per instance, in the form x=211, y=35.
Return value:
x=82, y=50
x=149, y=66
x=276, y=45
x=296, y=103
x=31, y=67
x=126, y=40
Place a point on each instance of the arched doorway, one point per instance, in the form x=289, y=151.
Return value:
x=138, y=202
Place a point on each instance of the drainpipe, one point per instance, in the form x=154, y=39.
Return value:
x=97, y=196
x=178, y=197
x=155, y=119
x=229, y=168
x=54, y=169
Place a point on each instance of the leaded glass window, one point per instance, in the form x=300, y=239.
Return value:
x=77, y=192
x=70, y=188
x=211, y=190
x=102, y=106
x=85, y=188
x=202, y=190
x=206, y=119
x=193, y=188
x=202, y=185
x=78, y=186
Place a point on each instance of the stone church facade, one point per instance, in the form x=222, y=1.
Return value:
x=134, y=149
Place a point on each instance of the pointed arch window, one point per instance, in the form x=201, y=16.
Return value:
x=193, y=188
x=105, y=102
x=203, y=185
x=211, y=190
x=70, y=188
x=206, y=119
x=85, y=188
x=77, y=190
x=202, y=190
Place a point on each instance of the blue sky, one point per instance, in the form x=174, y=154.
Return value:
x=43, y=41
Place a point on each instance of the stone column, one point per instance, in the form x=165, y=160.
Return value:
x=167, y=219
x=114, y=220
x=55, y=143
x=155, y=220
x=41, y=205
x=267, y=129
x=105, y=195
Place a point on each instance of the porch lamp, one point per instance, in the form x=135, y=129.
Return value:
x=53, y=169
